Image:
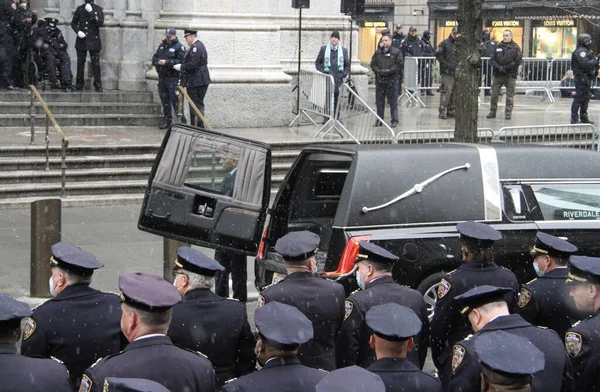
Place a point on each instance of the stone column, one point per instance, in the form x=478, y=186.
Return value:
x=132, y=73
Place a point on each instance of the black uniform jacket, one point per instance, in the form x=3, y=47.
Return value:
x=583, y=345
x=352, y=346
x=173, y=52
x=89, y=23
x=401, y=375
x=556, y=376
x=387, y=65
x=448, y=326
x=194, y=69
x=78, y=326
x=218, y=328
x=283, y=374
x=19, y=373
x=584, y=63
x=546, y=302
x=157, y=359
x=506, y=59
x=446, y=56
x=322, y=302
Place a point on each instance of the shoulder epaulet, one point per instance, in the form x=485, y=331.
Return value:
x=504, y=268
x=101, y=360
x=531, y=281
x=230, y=380
x=323, y=370
x=451, y=272
x=541, y=327
x=468, y=337
x=354, y=292
x=57, y=360
x=576, y=324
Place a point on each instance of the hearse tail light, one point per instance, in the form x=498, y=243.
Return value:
x=261, y=247
x=348, y=256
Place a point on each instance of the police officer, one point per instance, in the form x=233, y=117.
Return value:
x=351, y=379
x=426, y=71
x=446, y=56
x=194, y=73
x=507, y=361
x=374, y=275
x=582, y=341
x=386, y=63
x=545, y=301
x=86, y=23
x=28, y=19
x=487, y=311
x=9, y=23
x=478, y=268
x=397, y=37
x=282, y=329
x=17, y=372
x=487, y=48
x=585, y=67
x=215, y=326
x=79, y=324
x=411, y=45
x=505, y=63
x=147, y=302
x=54, y=48
x=170, y=52
x=394, y=327
x=116, y=384
x=320, y=300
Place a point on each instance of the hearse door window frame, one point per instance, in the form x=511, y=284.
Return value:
x=542, y=214
x=516, y=206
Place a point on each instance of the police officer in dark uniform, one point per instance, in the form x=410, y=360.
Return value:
x=146, y=303
x=79, y=324
x=351, y=379
x=194, y=73
x=116, y=384
x=170, y=52
x=17, y=372
x=487, y=48
x=386, y=63
x=545, y=301
x=486, y=309
x=394, y=327
x=478, y=268
x=320, y=300
x=397, y=37
x=28, y=19
x=427, y=65
x=585, y=68
x=215, y=326
x=507, y=361
x=374, y=274
x=282, y=329
x=411, y=45
x=9, y=23
x=54, y=49
x=505, y=64
x=446, y=56
x=86, y=23
x=582, y=341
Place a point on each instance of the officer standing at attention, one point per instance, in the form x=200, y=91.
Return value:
x=79, y=325
x=478, y=268
x=351, y=379
x=585, y=68
x=194, y=73
x=487, y=311
x=446, y=56
x=86, y=23
x=281, y=330
x=394, y=327
x=374, y=275
x=397, y=37
x=17, y=372
x=426, y=71
x=386, y=63
x=320, y=300
x=505, y=62
x=545, y=301
x=146, y=304
x=582, y=341
x=215, y=326
x=170, y=52
x=9, y=22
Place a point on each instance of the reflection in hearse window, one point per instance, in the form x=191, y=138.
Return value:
x=568, y=201
x=330, y=183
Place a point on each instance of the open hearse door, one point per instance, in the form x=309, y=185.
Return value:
x=208, y=189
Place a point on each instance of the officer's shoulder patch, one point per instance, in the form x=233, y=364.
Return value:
x=29, y=327
x=524, y=297
x=348, y=307
x=573, y=343
x=443, y=288
x=582, y=54
x=195, y=49
x=260, y=301
x=86, y=384
x=458, y=355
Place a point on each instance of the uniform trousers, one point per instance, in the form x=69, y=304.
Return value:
x=197, y=95
x=234, y=263
x=81, y=57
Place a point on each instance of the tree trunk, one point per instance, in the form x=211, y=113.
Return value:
x=468, y=71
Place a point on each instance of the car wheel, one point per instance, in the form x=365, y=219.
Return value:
x=428, y=288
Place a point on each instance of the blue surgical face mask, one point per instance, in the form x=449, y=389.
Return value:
x=359, y=282
x=537, y=269
x=315, y=269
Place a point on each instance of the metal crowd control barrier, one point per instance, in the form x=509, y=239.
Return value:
x=534, y=76
x=356, y=120
x=484, y=135
x=316, y=97
x=582, y=136
x=418, y=77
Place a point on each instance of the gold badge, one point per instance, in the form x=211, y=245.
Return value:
x=86, y=384
x=29, y=327
x=524, y=297
x=348, y=306
x=458, y=354
x=573, y=343
x=443, y=288
x=260, y=302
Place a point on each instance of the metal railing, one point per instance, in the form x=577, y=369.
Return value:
x=35, y=94
x=484, y=135
x=317, y=92
x=183, y=96
x=418, y=77
x=583, y=136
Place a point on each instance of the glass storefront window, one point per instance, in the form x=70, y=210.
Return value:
x=554, y=42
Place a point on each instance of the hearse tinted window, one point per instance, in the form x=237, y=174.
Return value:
x=329, y=183
x=568, y=201
x=515, y=203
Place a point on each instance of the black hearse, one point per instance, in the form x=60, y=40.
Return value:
x=406, y=198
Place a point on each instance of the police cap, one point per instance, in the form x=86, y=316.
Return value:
x=374, y=253
x=393, y=322
x=351, y=379
x=51, y=21
x=169, y=32
x=509, y=354
x=298, y=245
x=547, y=244
x=484, y=235
x=74, y=259
x=193, y=260
x=398, y=26
x=480, y=296
x=386, y=32
x=148, y=292
x=116, y=384
x=11, y=309
x=412, y=28
x=187, y=32
x=283, y=325
x=584, y=269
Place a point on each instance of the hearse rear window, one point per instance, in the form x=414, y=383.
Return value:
x=568, y=201
x=330, y=183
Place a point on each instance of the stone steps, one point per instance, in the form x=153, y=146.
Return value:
x=84, y=120
x=60, y=108
x=75, y=97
